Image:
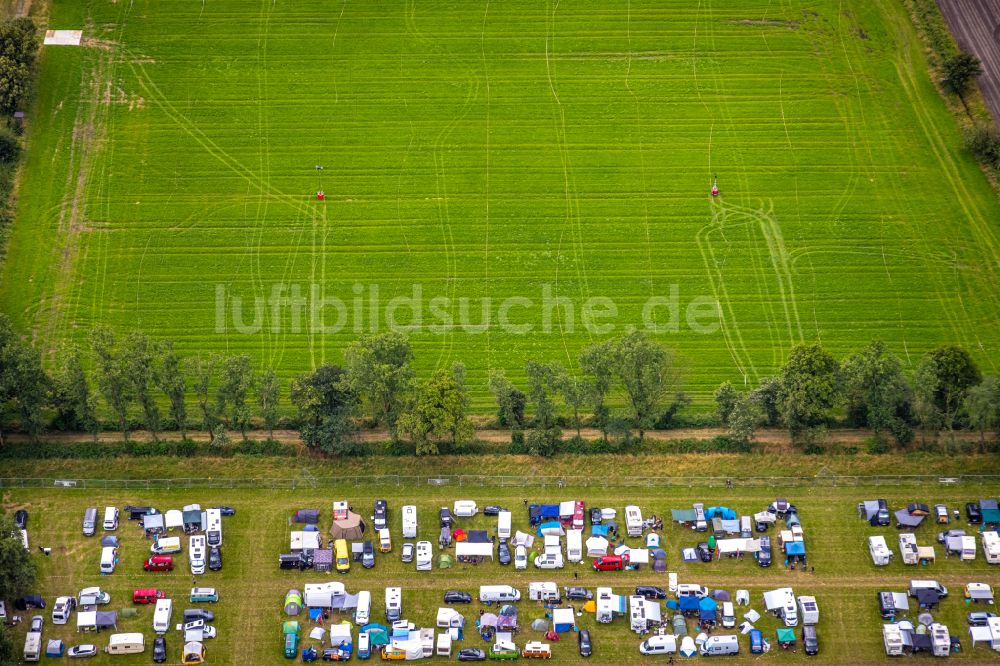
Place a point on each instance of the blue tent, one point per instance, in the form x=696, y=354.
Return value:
x=792, y=519
x=706, y=615
x=599, y=530
x=551, y=525
x=707, y=604
x=378, y=634
x=310, y=528
x=795, y=548
x=688, y=604
x=673, y=605
x=723, y=512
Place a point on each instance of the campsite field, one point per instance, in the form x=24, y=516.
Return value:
x=496, y=150
x=252, y=588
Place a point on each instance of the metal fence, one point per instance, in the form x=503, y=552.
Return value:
x=307, y=482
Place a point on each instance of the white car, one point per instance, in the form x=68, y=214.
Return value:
x=549, y=561
x=466, y=508
x=85, y=650
x=520, y=558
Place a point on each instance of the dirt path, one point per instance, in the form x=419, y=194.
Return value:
x=976, y=27
x=769, y=436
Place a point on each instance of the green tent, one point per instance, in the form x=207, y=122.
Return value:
x=786, y=635
x=446, y=561
x=129, y=612
x=291, y=627
x=711, y=542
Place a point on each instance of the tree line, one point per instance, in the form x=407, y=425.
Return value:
x=946, y=391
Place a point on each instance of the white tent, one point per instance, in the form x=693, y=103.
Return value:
x=990, y=634
x=597, y=546
x=466, y=549
x=449, y=617
x=522, y=539
x=339, y=632
x=733, y=546
x=173, y=518
x=638, y=556
x=304, y=540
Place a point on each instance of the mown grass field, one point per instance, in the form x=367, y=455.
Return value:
x=252, y=588
x=486, y=150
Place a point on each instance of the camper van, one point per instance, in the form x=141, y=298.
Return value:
x=196, y=553
x=165, y=546
x=89, y=521
x=809, y=610
x=33, y=646
x=159, y=563
x=489, y=594
x=881, y=555
x=660, y=644
x=364, y=645
x=716, y=646
x=425, y=556
x=728, y=615
x=109, y=559
x=110, y=519
x=204, y=595
x=633, y=521
x=503, y=525
x=125, y=644
x=393, y=604
x=700, y=524
x=362, y=614
x=574, y=546
x=543, y=592
x=409, y=522
x=213, y=527
x=161, y=616
x=892, y=638
x=691, y=590
x=991, y=547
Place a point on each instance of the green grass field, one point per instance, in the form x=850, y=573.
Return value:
x=493, y=150
x=252, y=588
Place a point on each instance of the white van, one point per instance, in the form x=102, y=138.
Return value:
x=111, y=518
x=503, y=525
x=574, y=545
x=746, y=527
x=165, y=546
x=89, y=521
x=633, y=521
x=33, y=646
x=393, y=604
x=728, y=615
x=409, y=522
x=665, y=644
x=213, y=527
x=498, y=593
x=161, y=616
x=717, y=646
x=125, y=644
x=196, y=553
x=691, y=590
x=109, y=559
x=362, y=614
x=425, y=556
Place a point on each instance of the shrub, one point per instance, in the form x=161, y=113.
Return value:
x=983, y=141
x=9, y=147
x=877, y=446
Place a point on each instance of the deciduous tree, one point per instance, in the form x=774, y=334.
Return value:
x=810, y=387
x=113, y=375
x=379, y=369
x=202, y=370
x=77, y=400
x=439, y=412
x=17, y=569
x=268, y=395
x=510, y=401
x=940, y=383
x=726, y=398
x=235, y=383
x=982, y=406
x=326, y=403
x=876, y=387
x=169, y=376
x=138, y=354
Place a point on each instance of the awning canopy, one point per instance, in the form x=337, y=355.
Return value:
x=906, y=519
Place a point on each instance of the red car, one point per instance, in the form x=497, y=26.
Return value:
x=610, y=562
x=147, y=595
x=159, y=563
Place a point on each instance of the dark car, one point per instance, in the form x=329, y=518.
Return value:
x=973, y=513
x=137, y=512
x=503, y=552
x=407, y=553
x=584, y=639
x=21, y=519
x=215, y=558
x=651, y=592
x=578, y=593
x=29, y=601
x=810, y=639
x=943, y=536
x=980, y=618
x=596, y=518
x=380, y=516
x=36, y=623
x=456, y=597
x=764, y=554
x=159, y=649
x=492, y=510
x=444, y=516
x=367, y=555
x=299, y=561
x=225, y=510
x=471, y=654
x=193, y=614
x=704, y=552
x=881, y=518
